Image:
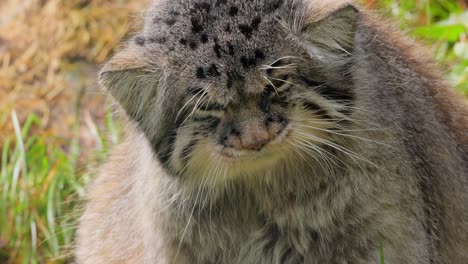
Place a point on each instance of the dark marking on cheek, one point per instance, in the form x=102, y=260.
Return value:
x=310, y=82
x=329, y=92
x=140, y=41
x=174, y=13
x=214, y=123
x=282, y=120
x=336, y=94
x=204, y=38
x=187, y=151
x=196, y=26
x=233, y=11
x=166, y=153
x=183, y=41
x=224, y=141
x=200, y=73
x=229, y=131
x=203, y=119
x=347, y=111
x=269, y=90
x=195, y=90
x=316, y=109
x=213, y=107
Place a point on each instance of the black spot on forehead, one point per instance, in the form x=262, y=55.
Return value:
x=275, y=5
x=256, y=22
x=204, y=38
x=221, y=39
x=252, y=61
x=221, y=2
x=196, y=26
x=246, y=30
x=233, y=10
x=230, y=49
x=200, y=73
x=202, y=7
x=217, y=48
x=213, y=71
x=193, y=45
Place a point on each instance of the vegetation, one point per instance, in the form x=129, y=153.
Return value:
x=44, y=168
x=442, y=25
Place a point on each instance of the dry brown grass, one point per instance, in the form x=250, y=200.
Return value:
x=49, y=50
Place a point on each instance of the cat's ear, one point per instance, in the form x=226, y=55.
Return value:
x=331, y=36
x=131, y=80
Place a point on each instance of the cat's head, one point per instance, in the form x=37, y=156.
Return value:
x=237, y=85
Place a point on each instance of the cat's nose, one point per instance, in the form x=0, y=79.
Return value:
x=254, y=139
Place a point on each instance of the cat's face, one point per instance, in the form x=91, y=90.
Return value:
x=237, y=85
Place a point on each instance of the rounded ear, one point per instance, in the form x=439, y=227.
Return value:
x=131, y=80
x=332, y=37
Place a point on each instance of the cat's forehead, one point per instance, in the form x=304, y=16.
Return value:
x=215, y=38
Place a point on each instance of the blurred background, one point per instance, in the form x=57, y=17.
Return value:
x=56, y=124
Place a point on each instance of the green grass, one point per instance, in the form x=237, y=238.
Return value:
x=381, y=253
x=40, y=187
x=442, y=25
x=41, y=184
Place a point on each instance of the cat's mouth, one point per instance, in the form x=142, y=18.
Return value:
x=270, y=150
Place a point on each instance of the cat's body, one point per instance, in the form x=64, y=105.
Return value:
x=378, y=165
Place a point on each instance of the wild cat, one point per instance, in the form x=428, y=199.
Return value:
x=278, y=131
